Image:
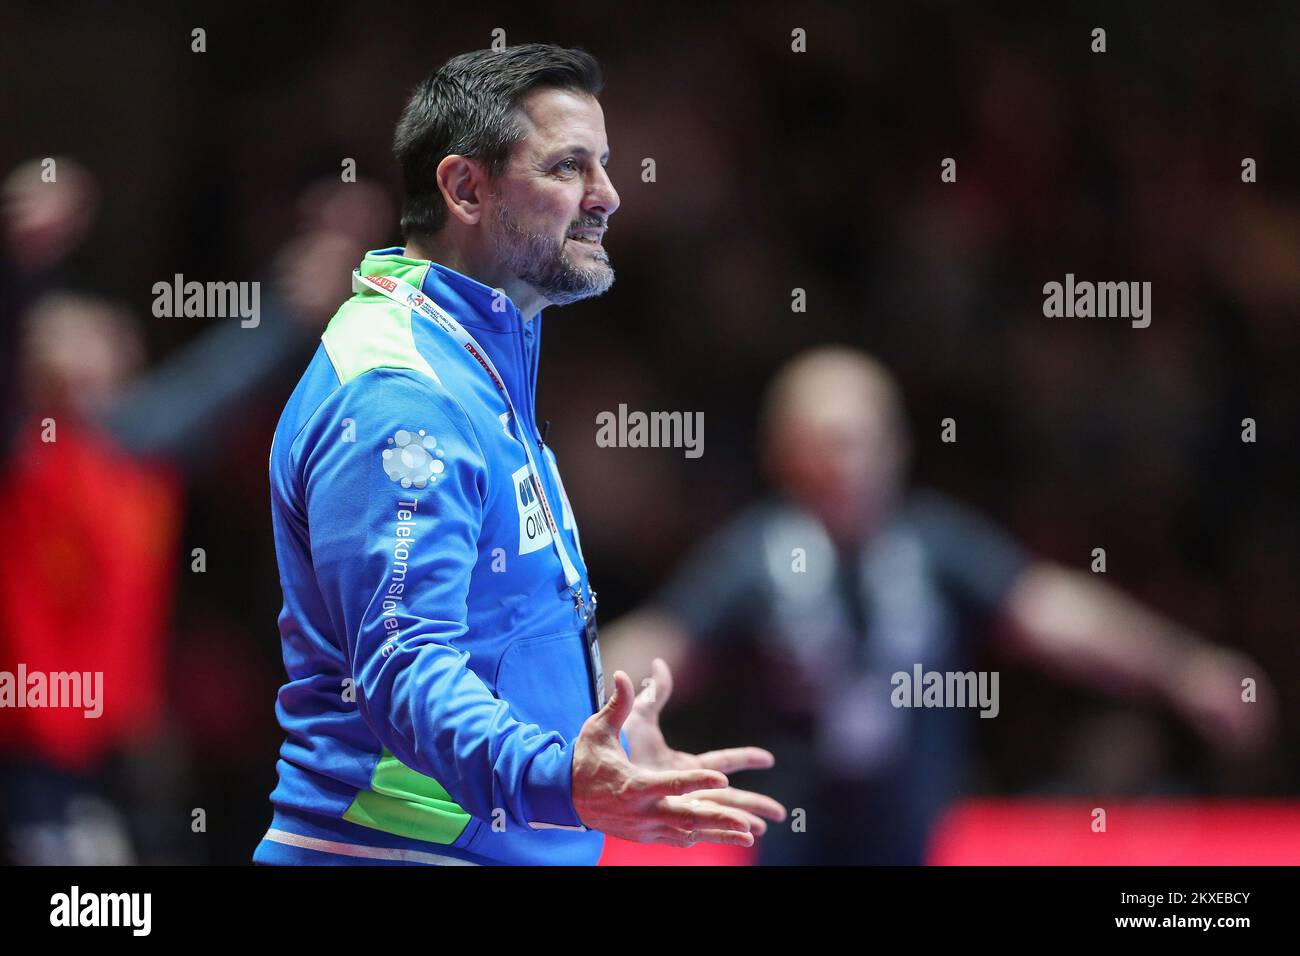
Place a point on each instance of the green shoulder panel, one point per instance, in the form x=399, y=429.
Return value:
x=370, y=331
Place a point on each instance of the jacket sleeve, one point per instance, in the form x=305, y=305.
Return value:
x=395, y=483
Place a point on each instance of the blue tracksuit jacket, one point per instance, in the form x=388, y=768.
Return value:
x=437, y=669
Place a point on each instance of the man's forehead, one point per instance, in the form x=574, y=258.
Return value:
x=556, y=118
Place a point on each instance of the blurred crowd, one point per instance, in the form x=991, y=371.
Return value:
x=774, y=171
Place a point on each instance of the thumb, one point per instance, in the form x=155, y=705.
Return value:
x=616, y=710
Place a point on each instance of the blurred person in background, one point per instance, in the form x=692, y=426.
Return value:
x=88, y=557
x=844, y=577
x=91, y=500
x=41, y=223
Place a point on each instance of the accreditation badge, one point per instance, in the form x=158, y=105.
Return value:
x=594, y=666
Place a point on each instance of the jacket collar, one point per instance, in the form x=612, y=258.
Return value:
x=516, y=346
x=474, y=305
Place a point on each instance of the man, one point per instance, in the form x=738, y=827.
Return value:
x=845, y=579
x=438, y=625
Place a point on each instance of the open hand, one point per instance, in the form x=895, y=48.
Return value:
x=619, y=798
x=648, y=748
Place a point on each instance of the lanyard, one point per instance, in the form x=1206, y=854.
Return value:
x=407, y=296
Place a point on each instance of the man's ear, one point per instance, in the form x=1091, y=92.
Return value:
x=461, y=181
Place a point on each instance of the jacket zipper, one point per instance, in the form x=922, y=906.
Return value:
x=531, y=355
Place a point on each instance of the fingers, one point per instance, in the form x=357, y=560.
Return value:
x=734, y=759
x=663, y=681
x=667, y=783
x=690, y=814
x=755, y=825
x=687, y=838
x=655, y=689
x=648, y=698
x=756, y=803
x=616, y=710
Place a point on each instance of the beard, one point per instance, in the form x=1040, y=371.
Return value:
x=542, y=261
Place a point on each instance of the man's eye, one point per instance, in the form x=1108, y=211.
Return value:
x=569, y=164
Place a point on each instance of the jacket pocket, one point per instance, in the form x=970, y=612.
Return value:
x=544, y=680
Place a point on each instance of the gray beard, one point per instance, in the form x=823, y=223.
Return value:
x=541, y=262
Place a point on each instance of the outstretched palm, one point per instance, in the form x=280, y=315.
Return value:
x=647, y=748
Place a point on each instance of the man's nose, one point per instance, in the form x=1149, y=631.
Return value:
x=602, y=196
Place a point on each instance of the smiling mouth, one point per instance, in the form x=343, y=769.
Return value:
x=584, y=240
